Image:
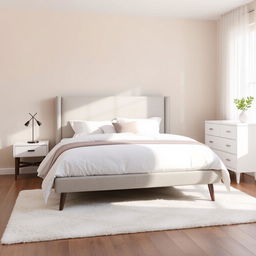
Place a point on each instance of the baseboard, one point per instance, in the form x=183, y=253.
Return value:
x=25, y=170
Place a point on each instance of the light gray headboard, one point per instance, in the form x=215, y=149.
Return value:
x=106, y=108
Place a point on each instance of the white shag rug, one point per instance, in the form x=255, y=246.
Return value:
x=130, y=211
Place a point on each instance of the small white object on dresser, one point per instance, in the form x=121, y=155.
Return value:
x=234, y=143
x=24, y=150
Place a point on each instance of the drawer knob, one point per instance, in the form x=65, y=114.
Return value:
x=211, y=129
x=31, y=150
x=228, y=145
x=228, y=131
x=227, y=159
x=210, y=141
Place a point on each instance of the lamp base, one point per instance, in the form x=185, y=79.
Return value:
x=33, y=141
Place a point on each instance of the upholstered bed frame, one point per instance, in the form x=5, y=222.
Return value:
x=107, y=108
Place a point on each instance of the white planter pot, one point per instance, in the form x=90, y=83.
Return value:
x=243, y=117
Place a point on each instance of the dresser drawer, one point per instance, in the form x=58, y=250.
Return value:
x=228, y=145
x=228, y=131
x=213, y=141
x=212, y=129
x=228, y=159
x=223, y=144
x=30, y=151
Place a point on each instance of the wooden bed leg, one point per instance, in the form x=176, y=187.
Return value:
x=62, y=200
x=211, y=190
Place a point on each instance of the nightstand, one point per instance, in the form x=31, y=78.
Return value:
x=27, y=150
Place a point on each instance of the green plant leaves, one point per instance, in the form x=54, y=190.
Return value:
x=244, y=103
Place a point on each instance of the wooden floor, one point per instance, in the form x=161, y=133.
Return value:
x=232, y=240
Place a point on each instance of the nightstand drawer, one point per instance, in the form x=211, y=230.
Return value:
x=212, y=129
x=229, y=160
x=228, y=131
x=30, y=151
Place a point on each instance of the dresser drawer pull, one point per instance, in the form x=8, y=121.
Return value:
x=227, y=159
x=228, y=131
x=211, y=129
x=228, y=146
x=31, y=150
x=210, y=141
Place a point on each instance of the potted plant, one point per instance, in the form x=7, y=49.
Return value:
x=243, y=104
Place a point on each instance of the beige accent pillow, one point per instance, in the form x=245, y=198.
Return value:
x=122, y=127
x=145, y=126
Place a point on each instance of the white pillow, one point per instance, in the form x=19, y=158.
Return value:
x=91, y=127
x=147, y=126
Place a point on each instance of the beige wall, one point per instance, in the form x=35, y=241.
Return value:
x=44, y=54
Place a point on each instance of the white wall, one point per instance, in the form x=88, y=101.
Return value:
x=44, y=54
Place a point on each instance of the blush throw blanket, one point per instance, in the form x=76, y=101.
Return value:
x=112, y=154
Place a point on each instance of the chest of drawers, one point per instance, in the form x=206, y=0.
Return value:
x=234, y=143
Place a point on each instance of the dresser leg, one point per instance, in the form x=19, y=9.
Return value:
x=17, y=167
x=237, y=177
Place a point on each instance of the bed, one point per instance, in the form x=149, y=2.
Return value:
x=107, y=108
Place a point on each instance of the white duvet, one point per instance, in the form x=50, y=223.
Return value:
x=131, y=158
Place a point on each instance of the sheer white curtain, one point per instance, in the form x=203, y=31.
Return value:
x=237, y=62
